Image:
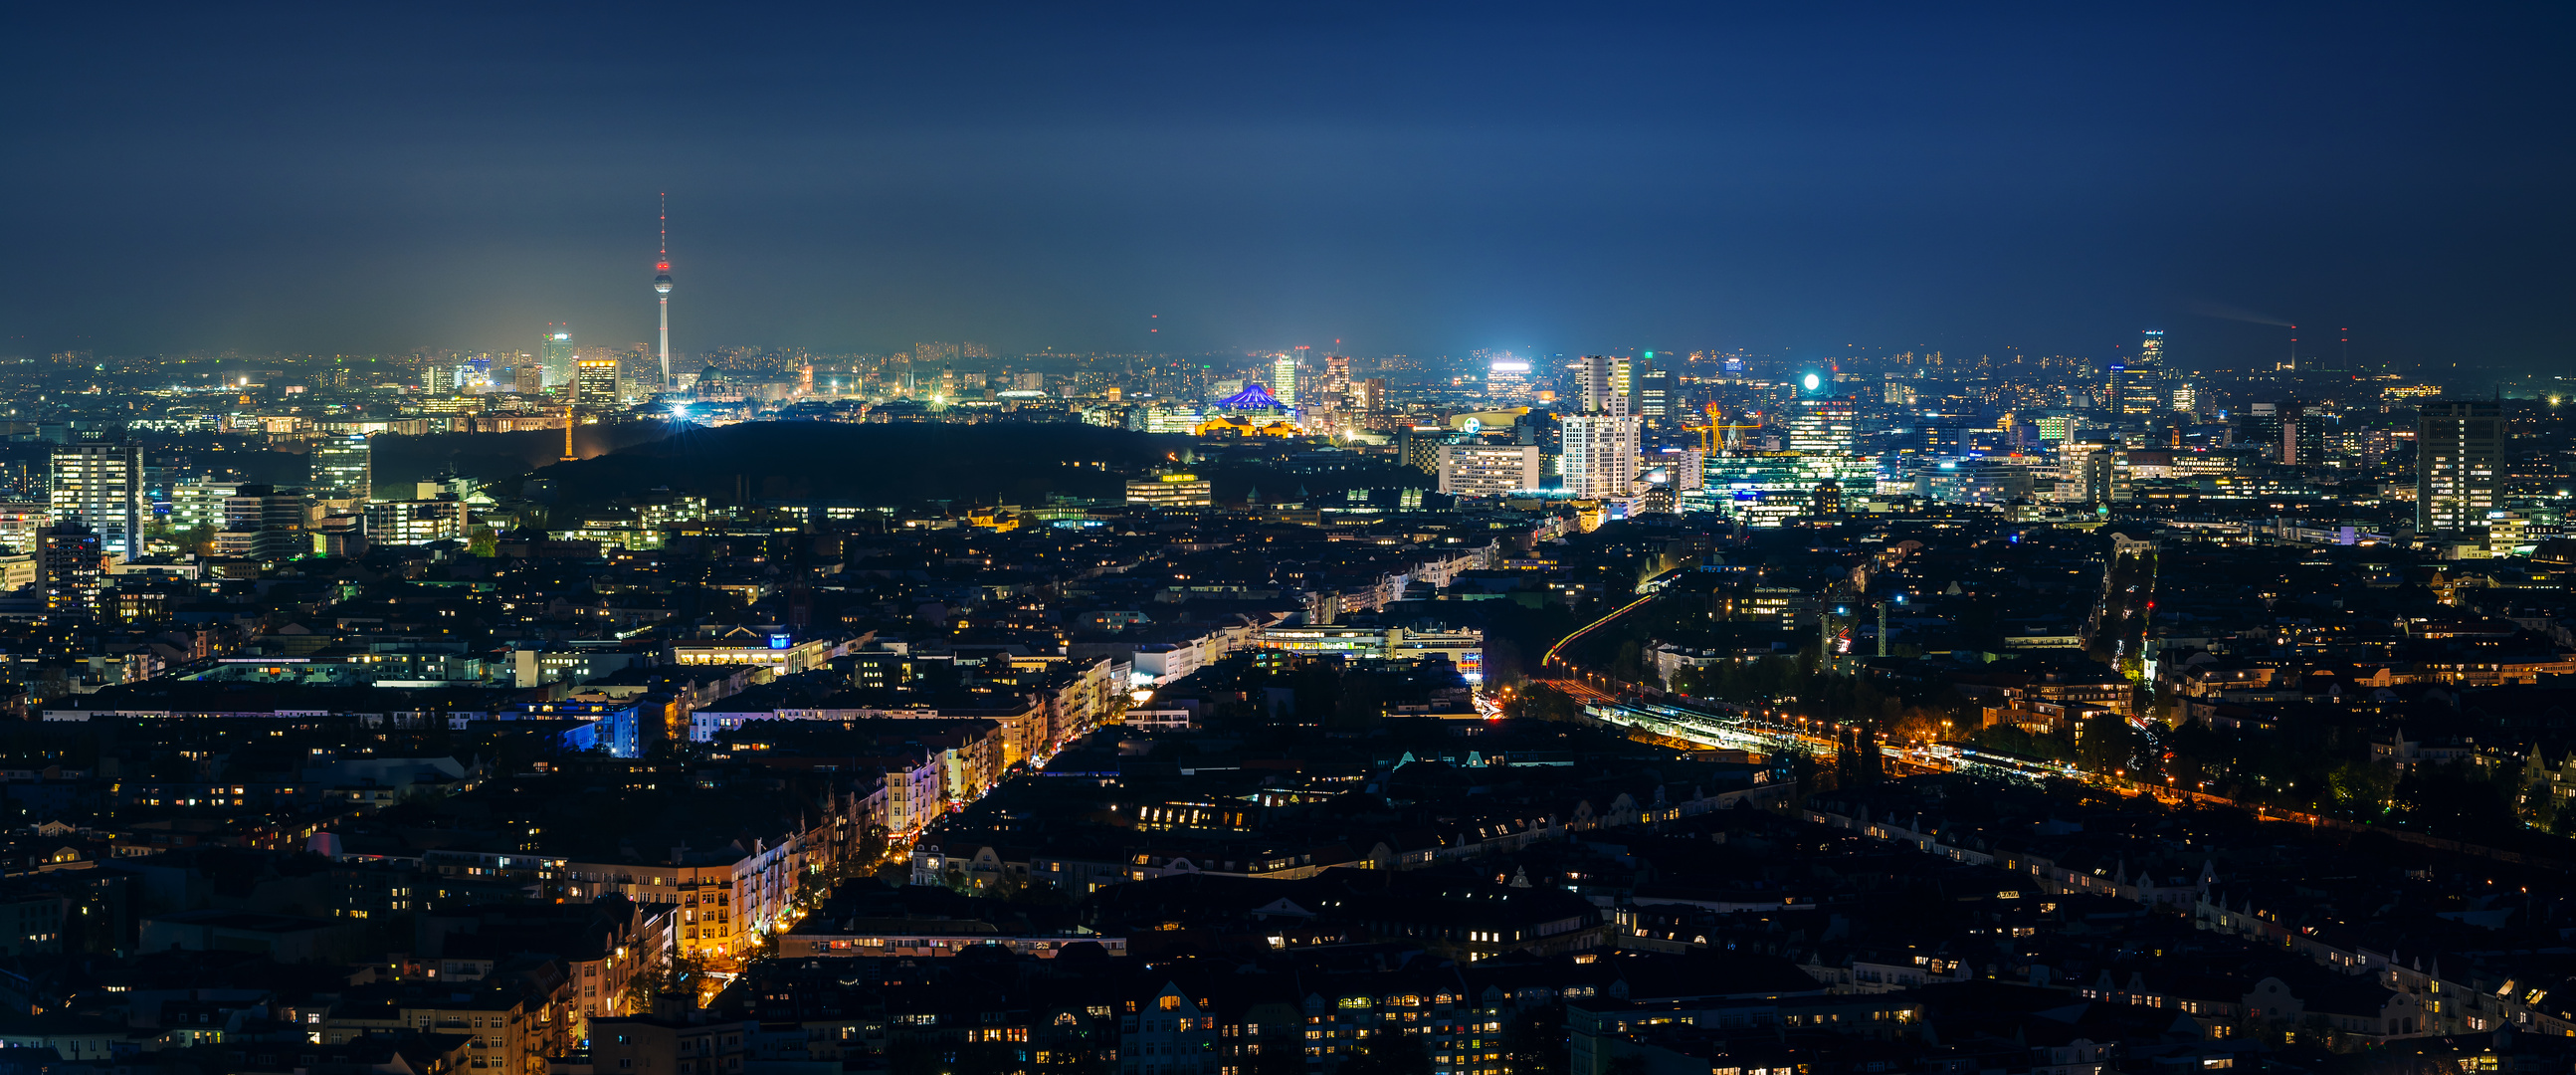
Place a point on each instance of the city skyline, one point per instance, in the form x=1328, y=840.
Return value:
x=1787, y=184
x=1329, y=540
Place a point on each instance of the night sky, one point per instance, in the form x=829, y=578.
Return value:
x=1791, y=179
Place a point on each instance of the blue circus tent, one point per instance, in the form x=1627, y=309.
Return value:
x=1252, y=398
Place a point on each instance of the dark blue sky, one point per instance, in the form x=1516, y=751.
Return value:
x=1409, y=178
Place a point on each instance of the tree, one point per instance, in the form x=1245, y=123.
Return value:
x=1917, y=724
x=2361, y=788
x=671, y=973
x=1389, y=1052
x=1279, y=1053
x=912, y=1055
x=1502, y=662
x=987, y=1058
x=1543, y=702
x=2012, y=739
x=1535, y=1041
x=196, y=539
x=1856, y=759
x=1687, y=679
x=2457, y=800
x=1629, y=664
x=2107, y=744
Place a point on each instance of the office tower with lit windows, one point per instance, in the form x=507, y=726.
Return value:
x=528, y=375
x=19, y=521
x=263, y=523
x=2304, y=432
x=2290, y=433
x=1655, y=396
x=417, y=522
x=1827, y=426
x=1599, y=447
x=598, y=385
x=1488, y=469
x=1599, y=455
x=1172, y=491
x=2086, y=472
x=68, y=568
x=341, y=468
x=101, y=487
x=2459, y=464
x=2137, y=389
x=555, y=356
x=1603, y=383
x=1337, y=376
x=1283, y=380
x=1507, y=378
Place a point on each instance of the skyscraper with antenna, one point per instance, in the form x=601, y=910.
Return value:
x=662, y=285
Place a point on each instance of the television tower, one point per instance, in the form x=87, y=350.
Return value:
x=662, y=284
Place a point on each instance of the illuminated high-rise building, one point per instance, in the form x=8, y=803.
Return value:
x=262, y=522
x=598, y=385
x=1507, y=377
x=555, y=354
x=2138, y=385
x=1605, y=383
x=1599, y=449
x=342, y=468
x=1655, y=392
x=2459, y=464
x=1337, y=376
x=1823, y=426
x=1600, y=455
x=101, y=487
x=518, y=374
x=1283, y=380
x=68, y=568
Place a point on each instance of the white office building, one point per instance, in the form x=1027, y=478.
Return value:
x=1488, y=469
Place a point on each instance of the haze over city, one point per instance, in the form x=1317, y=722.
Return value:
x=1425, y=180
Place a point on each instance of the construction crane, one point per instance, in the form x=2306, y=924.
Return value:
x=1716, y=433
